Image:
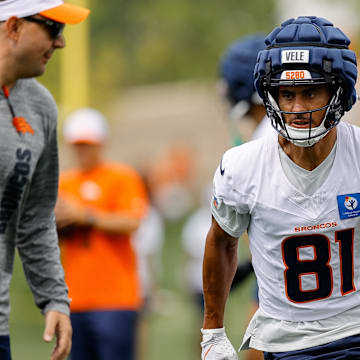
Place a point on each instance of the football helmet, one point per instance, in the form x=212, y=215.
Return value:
x=307, y=51
x=236, y=71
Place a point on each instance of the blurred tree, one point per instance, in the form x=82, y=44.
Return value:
x=143, y=41
x=162, y=40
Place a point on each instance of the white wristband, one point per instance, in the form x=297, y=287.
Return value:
x=213, y=331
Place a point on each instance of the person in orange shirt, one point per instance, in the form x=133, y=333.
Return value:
x=100, y=205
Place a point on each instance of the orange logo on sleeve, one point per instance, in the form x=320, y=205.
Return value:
x=22, y=126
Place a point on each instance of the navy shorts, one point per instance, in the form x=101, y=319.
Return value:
x=344, y=349
x=99, y=335
x=5, y=353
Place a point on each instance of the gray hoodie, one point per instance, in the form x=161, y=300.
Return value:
x=28, y=191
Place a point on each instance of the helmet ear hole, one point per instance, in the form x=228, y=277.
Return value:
x=273, y=111
x=336, y=110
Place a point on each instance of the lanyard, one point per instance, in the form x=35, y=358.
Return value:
x=19, y=123
x=7, y=93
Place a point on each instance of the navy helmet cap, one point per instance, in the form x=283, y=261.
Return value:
x=309, y=30
x=237, y=65
x=326, y=50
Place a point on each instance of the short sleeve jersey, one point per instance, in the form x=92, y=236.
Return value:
x=305, y=249
x=100, y=267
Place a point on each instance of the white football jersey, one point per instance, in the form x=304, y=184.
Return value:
x=305, y=249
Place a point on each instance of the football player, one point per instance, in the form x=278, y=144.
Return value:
x=298, y=195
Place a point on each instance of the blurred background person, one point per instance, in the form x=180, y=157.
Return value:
x=236, y=86
x=148, y=241
x=170, y=180
x=100, y=206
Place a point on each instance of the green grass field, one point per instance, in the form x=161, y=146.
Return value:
x=172, y=332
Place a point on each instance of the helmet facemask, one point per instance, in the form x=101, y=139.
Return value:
x=312, y=135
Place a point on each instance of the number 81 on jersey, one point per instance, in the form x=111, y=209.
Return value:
x=318, y=267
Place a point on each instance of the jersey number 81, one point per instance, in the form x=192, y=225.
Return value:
x=319, y=266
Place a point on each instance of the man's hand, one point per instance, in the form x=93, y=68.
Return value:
x=58, y=324
x=216, y=345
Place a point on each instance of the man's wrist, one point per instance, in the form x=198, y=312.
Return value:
x=213, y=322
x=59, y=306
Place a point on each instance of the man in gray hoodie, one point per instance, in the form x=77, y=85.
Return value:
x=30, y=31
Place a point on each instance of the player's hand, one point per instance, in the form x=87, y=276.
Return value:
x=58, y=324
x=216, y=346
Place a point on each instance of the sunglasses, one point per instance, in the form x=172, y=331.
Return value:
x=54, y=28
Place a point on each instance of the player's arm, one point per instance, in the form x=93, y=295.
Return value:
x=37, y=243
x=230, y=219
x=220, y=262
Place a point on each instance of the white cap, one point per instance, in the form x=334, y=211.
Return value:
x=53, y=9
x=85, y=126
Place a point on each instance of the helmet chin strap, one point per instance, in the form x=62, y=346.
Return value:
x=317, y=134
